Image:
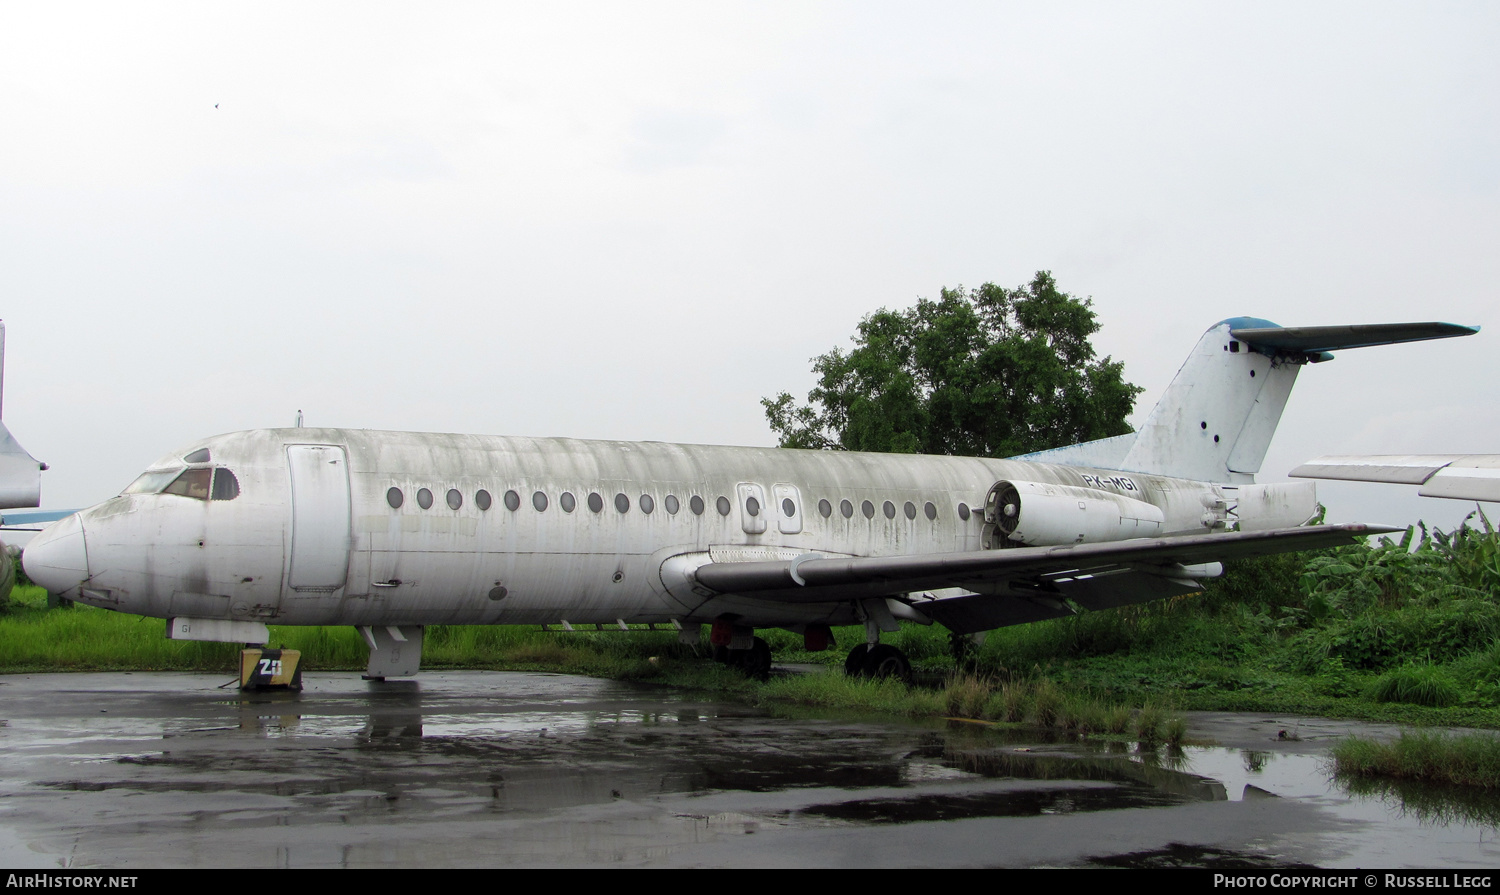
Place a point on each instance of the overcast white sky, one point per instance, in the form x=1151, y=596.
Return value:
x=633, y=220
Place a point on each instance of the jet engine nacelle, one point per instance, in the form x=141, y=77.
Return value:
x=1038, y=513
x=1277, y=505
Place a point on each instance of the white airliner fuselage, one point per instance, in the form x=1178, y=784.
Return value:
x=394, y=531
x=332, y=526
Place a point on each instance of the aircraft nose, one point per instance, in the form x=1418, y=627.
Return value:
x=57, y=558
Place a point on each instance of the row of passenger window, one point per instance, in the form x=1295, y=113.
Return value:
x=567, y=501
x=647, y=504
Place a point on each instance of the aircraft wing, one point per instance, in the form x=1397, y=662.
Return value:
x=1020, y=584
x=1459, y=476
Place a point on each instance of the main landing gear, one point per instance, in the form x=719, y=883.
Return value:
x=877, y=660
x=873, y=658
x=738, y=647
x=754, y=662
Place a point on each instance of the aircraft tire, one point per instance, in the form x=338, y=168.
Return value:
x=854, y=666
x=756, y=661
x=884, y=660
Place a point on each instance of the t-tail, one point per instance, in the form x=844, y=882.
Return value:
x=20, y=473
x=1215, y=421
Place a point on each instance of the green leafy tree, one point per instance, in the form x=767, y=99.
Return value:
x=991, y=372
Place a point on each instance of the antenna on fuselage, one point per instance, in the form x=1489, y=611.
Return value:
x=299, y=413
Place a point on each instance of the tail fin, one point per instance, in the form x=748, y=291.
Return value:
x=20, y=473
x=1215, y=421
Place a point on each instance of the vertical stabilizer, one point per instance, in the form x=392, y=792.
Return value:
x=20, y=473
x=1215, y=421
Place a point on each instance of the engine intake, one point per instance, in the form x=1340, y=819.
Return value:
x=1039, y=513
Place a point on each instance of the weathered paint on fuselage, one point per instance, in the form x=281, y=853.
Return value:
x=166, y=555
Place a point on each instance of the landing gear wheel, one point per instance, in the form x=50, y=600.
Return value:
x=883, y=661
x=854, y=666
x=756, y=661
x=878, y=661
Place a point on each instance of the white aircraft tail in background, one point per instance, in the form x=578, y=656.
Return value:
x=20, y=473
x=1456, y=476
x=1215, y=420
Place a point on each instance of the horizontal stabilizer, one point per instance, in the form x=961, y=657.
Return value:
x=1458, y=476
x=804, y=580
x=1318, y=339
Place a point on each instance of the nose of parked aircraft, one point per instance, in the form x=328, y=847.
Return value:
x=57, y=558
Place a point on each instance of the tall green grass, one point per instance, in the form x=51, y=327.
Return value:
x=1466, y=759
x=1416, y=684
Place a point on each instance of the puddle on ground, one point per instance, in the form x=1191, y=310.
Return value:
x=1198, y=857
x=1021, y=803
x=630, y=766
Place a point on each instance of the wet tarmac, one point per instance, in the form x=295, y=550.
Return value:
x=509, y=769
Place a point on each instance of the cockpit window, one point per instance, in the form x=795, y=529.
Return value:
x=226, y=486
x=192, y=483
x=198, y=456
x=152, y=481
x=202, y=483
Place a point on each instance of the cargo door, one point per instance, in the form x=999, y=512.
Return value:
x=320, y=517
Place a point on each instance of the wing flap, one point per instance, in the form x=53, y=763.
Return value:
x=805, y=580
x=1467, y=478
x=969, y=613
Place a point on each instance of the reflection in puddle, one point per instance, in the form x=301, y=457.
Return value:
x=1430, y=804
x=1198, y=856
x=1015, y=803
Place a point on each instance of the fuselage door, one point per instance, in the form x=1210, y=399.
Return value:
x=788, y=508
x=320, y=517
x=753, y=509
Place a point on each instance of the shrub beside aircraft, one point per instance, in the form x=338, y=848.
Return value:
x=394, y=531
